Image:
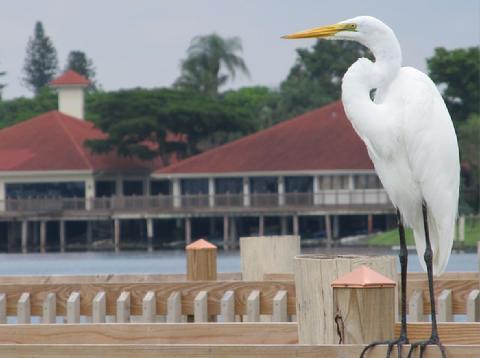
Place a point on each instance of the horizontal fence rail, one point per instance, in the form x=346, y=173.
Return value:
x=160, y=298
x=372, y=198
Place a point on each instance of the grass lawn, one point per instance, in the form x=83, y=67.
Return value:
x=390, y=238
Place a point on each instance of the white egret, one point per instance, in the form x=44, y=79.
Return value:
x=412, y=143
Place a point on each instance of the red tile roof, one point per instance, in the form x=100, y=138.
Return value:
x=322, y=139
x=70, y=78
x=54, y=141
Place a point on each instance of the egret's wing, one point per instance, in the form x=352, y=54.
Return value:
x=432, y=151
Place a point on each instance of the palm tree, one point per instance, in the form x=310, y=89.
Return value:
x=207, y=56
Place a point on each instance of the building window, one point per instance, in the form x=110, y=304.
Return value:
x=264, y=185
x=105, y=188
x=302, y=184
x=333, y=182
x=228, y=185
x=367, y=181
x=194, y=186
x=160, y=187
x=132, y=187
x=42, y=190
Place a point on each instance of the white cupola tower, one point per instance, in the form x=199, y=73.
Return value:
x=71, y=93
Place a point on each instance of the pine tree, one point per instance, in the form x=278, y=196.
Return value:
x=80, y=63
x=41, y=60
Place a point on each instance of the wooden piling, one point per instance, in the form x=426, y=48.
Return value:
x=314, y=294
x=364, y=307
x=267, y=254
x=201, y=261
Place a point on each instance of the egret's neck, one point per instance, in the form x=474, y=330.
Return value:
x=364, y=75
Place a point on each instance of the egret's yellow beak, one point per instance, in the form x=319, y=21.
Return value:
x=323, y=31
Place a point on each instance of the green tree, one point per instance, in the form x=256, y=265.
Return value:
x=211, y=61
x=469, y=141
x=457, y=72
x=161, y=122
x=315, y=78
x=41, y=60
x=80, y=63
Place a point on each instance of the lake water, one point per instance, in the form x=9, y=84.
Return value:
x=87, y=263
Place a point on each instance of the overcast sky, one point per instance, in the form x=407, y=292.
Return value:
x=140, y=43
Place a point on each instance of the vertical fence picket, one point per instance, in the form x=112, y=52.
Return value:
x=415, y=307
x=123, y=307
x=280, y=307
x=253, y=306
x=445, y=306
x=49, y=308
x=149, y=307
x=473, y=306
x=73, y=308
x=227, y=307
x=200, y=306
x=23, y=308
x=174, y=307
x=99, y=308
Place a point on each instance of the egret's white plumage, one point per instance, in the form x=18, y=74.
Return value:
x=407, y=130
x=409, y=136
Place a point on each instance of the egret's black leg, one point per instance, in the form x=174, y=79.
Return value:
x=434, y=339
x=403, y=256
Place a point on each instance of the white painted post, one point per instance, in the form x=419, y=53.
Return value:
x=174, y=307
x=253, y=306
x=99, y=307
x=445, y=306
x=296, y=225
x=123, y=307
x=280, y=307
x=117, y=234
x=200, y=307
x=281, y=190
x=49, y=308
x=150, y=234
x=415, y=307
x=23, y=308
x=227, y=306
x=149, y=307
x=246, y=192
x=176, y=193
x=316, y=191
x=3, y=308
x=73, y=308
x=261, y=225
x=211, y=192
x=188, y=231
x=62, y=224
x=43, y=235
x=473, y=306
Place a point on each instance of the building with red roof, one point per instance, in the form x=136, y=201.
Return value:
x=310, y=176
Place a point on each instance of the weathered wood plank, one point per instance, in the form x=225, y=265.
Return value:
x=227, y=307
x=49, y=309
x=445, y=306
x=415, y=307
x=174, y=310
x=99, y=308
x=23, y=308
x=149, y=307
x=201, y=307
x=217, y=351
x=73, y=308
x=473, y=306
x=450, y=333
x=123, y=307
x=163, y=290
x=460, y=291
x=3, y=308
x=253, y=306
x=280, y=307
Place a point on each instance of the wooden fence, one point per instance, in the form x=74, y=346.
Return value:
x=153, y=298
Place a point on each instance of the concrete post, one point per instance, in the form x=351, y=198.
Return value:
x=62, y=224
x=296, y=226
x=117, y=234
x=188, y=230
x=225, y=233
x=43, y=235
x=261, y=225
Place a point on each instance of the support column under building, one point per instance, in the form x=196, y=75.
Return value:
x=89, y=234
x=328, y=231
x=233, y=233
x=261, y=225
x=43, y=235
x=188, y=230
x=336, y=226
x=283, y=225
x=281, y=191
x=226, y=245
x=117, y=233
x=370, y=223
x=296, y=229
x=62, y=235
x=24, y=236
x=11, y=235
x=150, y=234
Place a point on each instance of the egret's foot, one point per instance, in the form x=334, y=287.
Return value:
x=433, y=341
x=396, y=342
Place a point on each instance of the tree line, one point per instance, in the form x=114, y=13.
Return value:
x=147, y=122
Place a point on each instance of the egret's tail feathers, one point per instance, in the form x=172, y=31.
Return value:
x=441, y=240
